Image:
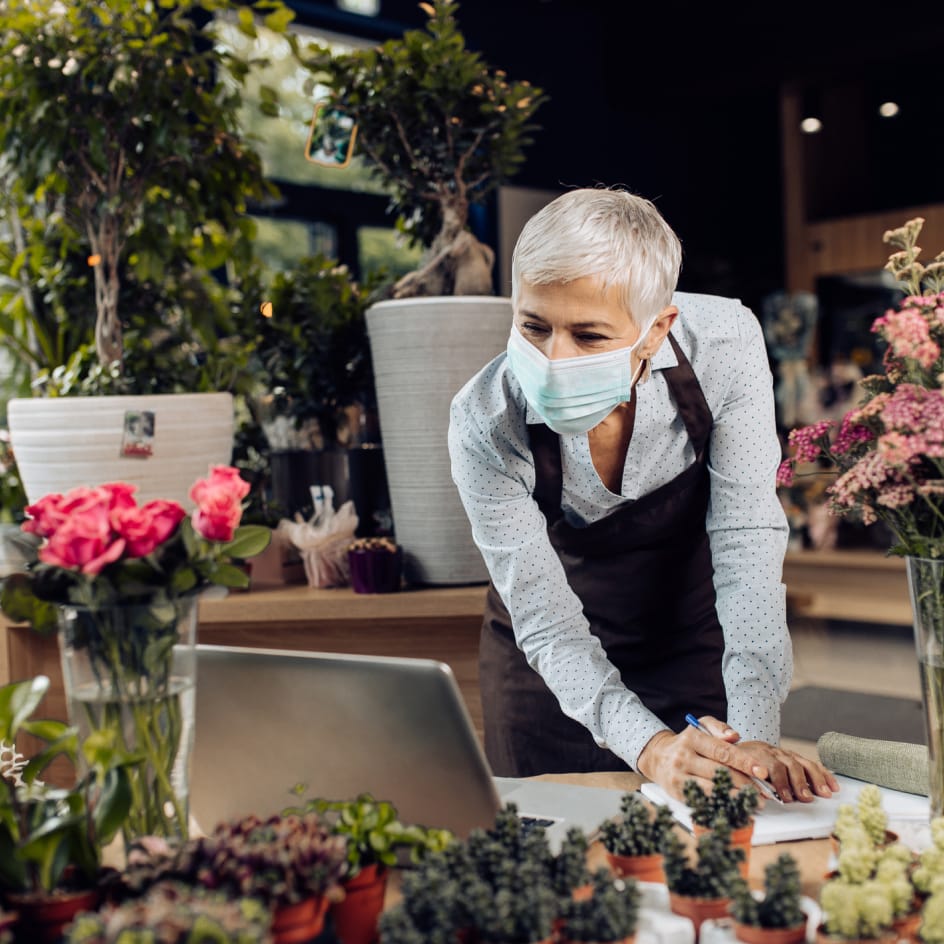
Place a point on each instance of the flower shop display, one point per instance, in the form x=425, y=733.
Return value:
x=121, y=581
x=634, y=840
x=608, y=915
x=777, y=917
x=888, y=457
x=171, y=913
x=52, y=839
x=703, y=889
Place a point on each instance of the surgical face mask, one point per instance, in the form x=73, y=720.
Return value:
x=573, y=394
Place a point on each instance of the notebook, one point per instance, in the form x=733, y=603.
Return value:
x=396, y=728
x=776, y=823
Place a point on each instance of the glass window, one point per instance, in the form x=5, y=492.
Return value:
x=281, y=243
x=381, y=247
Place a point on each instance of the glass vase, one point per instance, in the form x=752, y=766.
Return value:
x=130, y=673
x=926, y=584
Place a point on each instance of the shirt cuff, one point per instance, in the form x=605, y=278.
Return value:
x=629, y=741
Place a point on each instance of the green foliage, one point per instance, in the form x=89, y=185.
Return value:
x=125, y=169
x=637, y=831
x=715, y=873
x=736, y=807
x=609, y=914
x=569, y=867
x=172, y=913
x=12, y=496
x=373, y=832
x=312, y=355
x=780, y=905
x=45, y=830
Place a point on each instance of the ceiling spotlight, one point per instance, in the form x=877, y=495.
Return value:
x=888, y=109
x=811, y=125
x=363, y=7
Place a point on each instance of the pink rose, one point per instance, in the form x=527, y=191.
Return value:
x=45, y=515
x=85, y=541
x=219, y=503
x=146, y=528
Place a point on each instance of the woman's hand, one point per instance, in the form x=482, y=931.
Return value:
x=672, y=759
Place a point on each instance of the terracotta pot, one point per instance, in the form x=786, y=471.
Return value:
x=355, y=918
x=753, y=934
x=823, y=937
x=906, y=927
x=643, y=868
x=43, y=918
x=740, y=839
x=698, y=910
x=294, y=924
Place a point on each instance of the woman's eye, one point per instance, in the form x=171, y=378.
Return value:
x=589, y=338
x=530, y=327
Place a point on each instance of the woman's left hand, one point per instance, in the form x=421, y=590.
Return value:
x=793, y=776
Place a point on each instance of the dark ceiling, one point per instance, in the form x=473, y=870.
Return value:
x=680, y=102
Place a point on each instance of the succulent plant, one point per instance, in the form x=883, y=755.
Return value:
x=433, y=903
x=715, y=873
x=610, y=914
x=568, y=869
x=930, y=869
x=856, y=909
x=737, y=807
x=518, y=906
x=171, y=913
x=637, y=830
x=867, y=812
x=931, y=930
x=780, y=905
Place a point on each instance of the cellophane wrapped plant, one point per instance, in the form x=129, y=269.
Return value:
x=637, y=831
x=171, y=913
x=737, y=808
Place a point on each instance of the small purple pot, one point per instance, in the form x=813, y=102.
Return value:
x=375, y=571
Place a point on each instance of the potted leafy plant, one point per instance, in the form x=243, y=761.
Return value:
x=440, y=128
x=703, y=889
x=607, y=916
x=126, y=183
x=735, y=807
x=51, y=839
x=776, y=917
x=634, y=840
x=374, y=836
x=172, y=913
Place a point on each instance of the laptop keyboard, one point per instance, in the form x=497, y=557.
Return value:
x=534, y=822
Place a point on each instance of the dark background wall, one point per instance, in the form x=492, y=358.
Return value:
x=680, y=102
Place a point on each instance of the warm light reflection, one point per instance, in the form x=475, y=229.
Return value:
x=811, y=125
x=888, y=109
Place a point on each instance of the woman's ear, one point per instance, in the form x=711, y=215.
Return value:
x=660, y=328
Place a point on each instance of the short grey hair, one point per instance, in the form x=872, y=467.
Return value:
x=604, y=232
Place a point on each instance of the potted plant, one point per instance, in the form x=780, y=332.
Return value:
x=867, y=812
x=930, y=864
x=434, y=903
x=51, y=839
x=172, y=913
x=931, y=930
x=517, y=905
x=633, y=841
x=373, y=836
x=775, y=917
x=608, y=914
x=126, y=182
x=735, y=807
x=570, y=876
x=703, y=889
x=440, y=129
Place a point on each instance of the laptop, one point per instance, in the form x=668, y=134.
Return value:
x=397, y=728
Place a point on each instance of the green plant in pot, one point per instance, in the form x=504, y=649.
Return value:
x=52, y=838
x=172, y=913
x=931, y=930
x=609, y=914
x=778, y=909
x=634, y=839
x=440, y=128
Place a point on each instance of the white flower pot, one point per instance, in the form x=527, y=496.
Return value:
x=424, y=350
x=63, y=442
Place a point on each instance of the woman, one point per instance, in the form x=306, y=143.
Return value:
x=617, y=465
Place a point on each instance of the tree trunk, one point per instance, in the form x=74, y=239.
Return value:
x=106, y=245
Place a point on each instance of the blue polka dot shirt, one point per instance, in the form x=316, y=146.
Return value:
x=493, y=469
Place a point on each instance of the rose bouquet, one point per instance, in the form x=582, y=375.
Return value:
x=887, y=455
x=121, y=580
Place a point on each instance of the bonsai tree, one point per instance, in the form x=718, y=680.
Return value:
x=715, y=872
x=637, y=831
x=440, y=129
x=171, y=913
x=780, y=905
x=737, y=808
x=123, y=161
x=609, y=914
x=53, y=837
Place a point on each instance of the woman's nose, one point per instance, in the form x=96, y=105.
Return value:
x=560, y=346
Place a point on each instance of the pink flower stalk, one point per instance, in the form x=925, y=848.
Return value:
x=850, y=434
x=808, y=441
x=785, y=474
x=909, y=335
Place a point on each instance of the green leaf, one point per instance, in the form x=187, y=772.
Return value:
x=114, y=804
x=249, y=540
x=18, y=701
x=226, y=575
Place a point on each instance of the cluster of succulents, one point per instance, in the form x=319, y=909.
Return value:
x=867, y=813
x=504, y=884
x=715, y=872
x=780, y=905
x=637, y=831
x=722, y=802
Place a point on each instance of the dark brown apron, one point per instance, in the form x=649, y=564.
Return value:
x=644, y=576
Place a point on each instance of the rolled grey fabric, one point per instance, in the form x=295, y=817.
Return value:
x=893, y=764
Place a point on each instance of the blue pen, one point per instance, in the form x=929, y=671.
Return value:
x=765, y=788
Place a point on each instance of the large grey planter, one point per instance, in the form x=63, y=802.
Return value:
x=424, y=350
x=63, y=442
